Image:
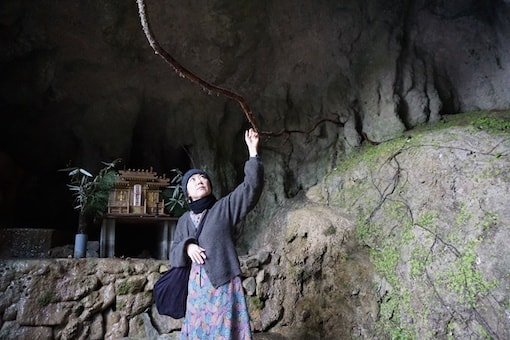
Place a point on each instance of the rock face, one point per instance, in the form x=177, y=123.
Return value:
x=81, y=85
x=432, y=209
x=402, y=240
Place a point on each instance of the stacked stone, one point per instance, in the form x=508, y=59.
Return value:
x=80, y=299
x=104, y=298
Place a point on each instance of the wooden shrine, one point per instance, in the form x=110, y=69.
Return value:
x=137, y=192
x=136, y=199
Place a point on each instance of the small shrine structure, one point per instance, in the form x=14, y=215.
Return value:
x=136, y=199
x=137, y=192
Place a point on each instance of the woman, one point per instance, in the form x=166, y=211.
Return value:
x=216, y=307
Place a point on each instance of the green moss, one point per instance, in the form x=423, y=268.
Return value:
x=370, y=155
x=387, y=258
x=390, y=323
x=256, y=302
x=130, y=287
x=482, y=332
x=490, y=219
x=385, y=261
x=464, y=216
x=366, y=232
x=481, y=120
x=121, y=305
x=420, y=260
x=343, y=256
x=47, y=298
x=464, y=278
x=124, y=288
x=427, y=219
x=491, y=124
x=330, y=231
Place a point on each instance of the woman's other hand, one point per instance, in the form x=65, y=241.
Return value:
x=251, y=138
x=196, y=253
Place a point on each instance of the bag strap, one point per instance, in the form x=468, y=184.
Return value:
x=201, y=225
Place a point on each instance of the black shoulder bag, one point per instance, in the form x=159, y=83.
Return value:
x=171, y=290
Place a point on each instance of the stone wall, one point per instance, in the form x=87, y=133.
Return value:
x=92, y=298
x=79, y=299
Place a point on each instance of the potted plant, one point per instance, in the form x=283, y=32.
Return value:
x=90, y=198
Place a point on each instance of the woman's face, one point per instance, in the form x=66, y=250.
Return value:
x=198, y=187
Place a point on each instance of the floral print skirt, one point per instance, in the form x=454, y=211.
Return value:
x=215, y=313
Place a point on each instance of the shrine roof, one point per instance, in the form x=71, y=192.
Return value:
x=142, y=176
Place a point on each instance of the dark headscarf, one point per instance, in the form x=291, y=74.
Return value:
x=201, y=204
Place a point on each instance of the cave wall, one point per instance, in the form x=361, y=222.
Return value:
x=431, y=209
x=80, y=85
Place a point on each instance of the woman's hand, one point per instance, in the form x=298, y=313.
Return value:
x=251, y=137
x=196, y=253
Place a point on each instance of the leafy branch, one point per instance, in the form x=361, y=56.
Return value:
x=91, y=192
x=175, y=202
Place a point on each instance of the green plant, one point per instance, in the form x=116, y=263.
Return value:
x=257, y=303
x=47, y=298
x=331, y=230
x=124, y=288
x=466, y=280
x=90, y=192
x=491, y=124
x=175, y=201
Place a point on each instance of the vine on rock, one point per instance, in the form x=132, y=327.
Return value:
x=473, y=292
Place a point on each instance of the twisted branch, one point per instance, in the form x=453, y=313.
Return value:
x=184, y=72
x=211, y=88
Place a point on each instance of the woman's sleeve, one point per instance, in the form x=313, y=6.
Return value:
x=178, y=256
x=244, y=198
